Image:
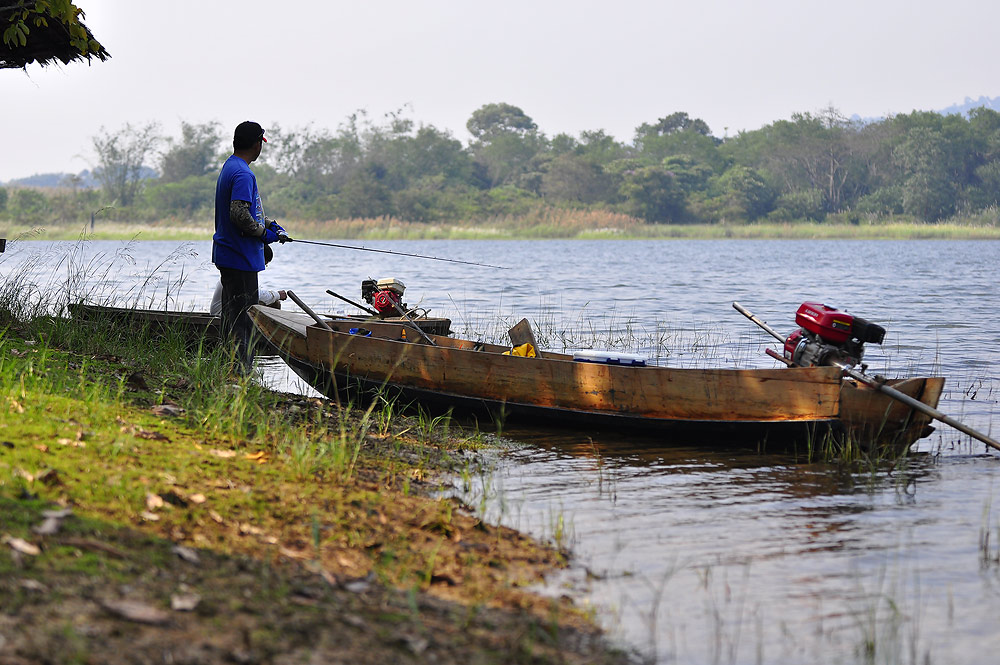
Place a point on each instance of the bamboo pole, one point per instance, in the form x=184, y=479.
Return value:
x=305, y=308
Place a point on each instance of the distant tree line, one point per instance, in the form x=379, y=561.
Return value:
x=922, y=166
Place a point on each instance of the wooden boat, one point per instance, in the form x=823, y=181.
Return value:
x=789, y=405
x=194, y=327
x=202, y=327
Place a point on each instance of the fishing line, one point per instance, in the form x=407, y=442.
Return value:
x=389, y=251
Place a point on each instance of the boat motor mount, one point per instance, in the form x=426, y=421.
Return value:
x=827, y=336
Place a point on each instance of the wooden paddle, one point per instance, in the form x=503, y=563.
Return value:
x=521, y=334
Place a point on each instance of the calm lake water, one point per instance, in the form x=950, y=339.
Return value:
x=688, y=555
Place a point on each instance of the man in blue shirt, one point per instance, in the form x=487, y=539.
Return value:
x=241, y=231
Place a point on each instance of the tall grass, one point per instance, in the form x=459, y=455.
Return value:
x=46, y=279
x=565, y=223
x=34, y=301
x=661, y=342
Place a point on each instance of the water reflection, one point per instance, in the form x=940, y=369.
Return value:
x=764, y=555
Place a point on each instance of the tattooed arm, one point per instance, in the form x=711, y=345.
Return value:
x=239, y=214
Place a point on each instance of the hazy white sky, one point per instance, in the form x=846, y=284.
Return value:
x=571, y=66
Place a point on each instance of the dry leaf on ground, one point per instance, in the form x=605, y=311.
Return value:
x=186, y=553
x=48, y=477
x=184, y=602
x=93, y=546
x=294, y=553
x=33, y=585
x=22, y=546
x=136, y=611
x=60, y=514
x=48, y=527
x=167, y=410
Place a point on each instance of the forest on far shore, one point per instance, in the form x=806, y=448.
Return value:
x=920, y=167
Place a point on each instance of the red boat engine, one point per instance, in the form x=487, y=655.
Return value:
x=385, y=295
x=828, y=336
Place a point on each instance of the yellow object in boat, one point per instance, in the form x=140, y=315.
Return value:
x=523, y=350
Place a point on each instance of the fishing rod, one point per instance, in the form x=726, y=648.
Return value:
x=389, y=251
x=874, y=383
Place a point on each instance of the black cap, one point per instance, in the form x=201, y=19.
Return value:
x=268, y=254
x=247, y=133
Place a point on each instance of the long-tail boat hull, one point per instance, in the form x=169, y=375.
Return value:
x=763, y=405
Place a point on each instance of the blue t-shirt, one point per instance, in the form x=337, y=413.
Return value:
x=230, y=248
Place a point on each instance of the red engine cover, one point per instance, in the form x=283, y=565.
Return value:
x=830, y=324
x=384, y=301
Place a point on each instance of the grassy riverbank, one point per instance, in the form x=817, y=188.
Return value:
x=154, y=509
x=550, y=224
